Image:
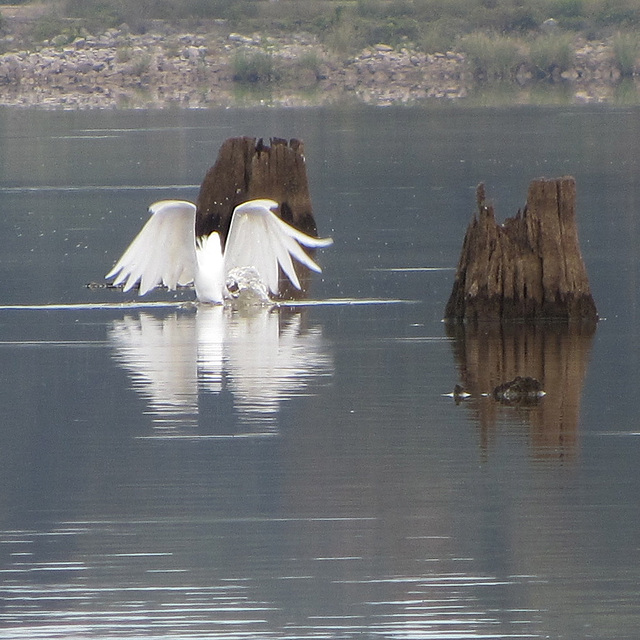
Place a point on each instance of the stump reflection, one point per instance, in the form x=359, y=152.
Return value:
x=556, y=354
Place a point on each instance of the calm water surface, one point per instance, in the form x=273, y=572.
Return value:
x=183, y=473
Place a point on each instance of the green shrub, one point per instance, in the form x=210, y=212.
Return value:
x=140, y=64
x=172, y=48
x=626, y=49
x=434, y=10
x=519, y=18
x=491, y=57
x=626, y=93
x=439, y=36
x=551, y=53
x=55, y=29
x=344, y=35
x=240, y=12
x=620, y=13
x=95, y=15
x=205, y=8
x=310, y=60
x=369, y=8
x=253, y=67
x=124, y=54
x=287, y=15
x=392, y=30
x=47, y=27
x=100, y=15
x=566, y=9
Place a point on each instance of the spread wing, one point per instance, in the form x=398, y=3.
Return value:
x=258, y=238
x=164, y=250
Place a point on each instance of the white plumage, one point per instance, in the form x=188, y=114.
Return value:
x=167, y=252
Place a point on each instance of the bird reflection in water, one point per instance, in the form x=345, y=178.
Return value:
x=556, y=354
x=248, y=362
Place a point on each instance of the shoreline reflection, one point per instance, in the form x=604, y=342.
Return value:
x=555, y=354
x=253, y=359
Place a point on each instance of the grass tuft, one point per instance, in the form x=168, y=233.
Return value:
x=491, y=56
x=252, y=67
x=626, y=51
x=551, y=54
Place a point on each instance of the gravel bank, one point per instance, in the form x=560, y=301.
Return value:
x=196, y=70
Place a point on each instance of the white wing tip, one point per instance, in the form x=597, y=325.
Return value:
x=317, y=243
x=258, y=203
x=161, y=204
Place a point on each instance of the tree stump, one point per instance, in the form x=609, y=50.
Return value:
x=247, y=169
x=529, y=268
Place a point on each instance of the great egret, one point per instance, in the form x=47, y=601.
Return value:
x=167, y=251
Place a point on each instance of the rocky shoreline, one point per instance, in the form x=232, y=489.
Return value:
x=197, y=70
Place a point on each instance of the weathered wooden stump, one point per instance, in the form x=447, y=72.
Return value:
x=530, y=267
x=247, y=169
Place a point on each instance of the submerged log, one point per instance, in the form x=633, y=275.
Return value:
x=528, y=268
x=247, y=169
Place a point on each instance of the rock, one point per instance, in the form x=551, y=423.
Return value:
x=519, y=391
x=240, y=39
x=582, y=96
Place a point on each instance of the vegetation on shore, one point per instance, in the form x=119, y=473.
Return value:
x=498, y=37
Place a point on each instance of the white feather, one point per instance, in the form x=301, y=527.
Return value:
x=210, y=276
x=260, y=239
x=165, y=251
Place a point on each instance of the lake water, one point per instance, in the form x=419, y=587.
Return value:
x=182, y=473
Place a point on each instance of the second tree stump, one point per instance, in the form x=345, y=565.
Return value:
x=530, y=267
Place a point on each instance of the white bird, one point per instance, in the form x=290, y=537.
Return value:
x=166, y=251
